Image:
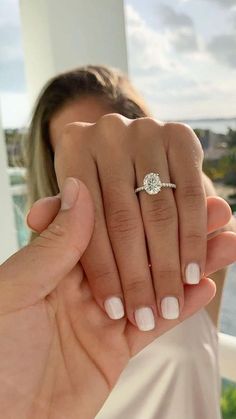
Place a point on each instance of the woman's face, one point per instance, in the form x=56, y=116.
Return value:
x=87, y=109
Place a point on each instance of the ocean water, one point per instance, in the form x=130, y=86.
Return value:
x=219, y=126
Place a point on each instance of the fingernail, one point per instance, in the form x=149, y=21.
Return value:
x=145, y=319
x=69, y=194
x=114, y=308
x=192, y=274
x=170, y=308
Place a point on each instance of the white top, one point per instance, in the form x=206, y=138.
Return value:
x=176, y=376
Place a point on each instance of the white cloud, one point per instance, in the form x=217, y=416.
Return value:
x=174, y=19
x=224, y=3
x=223, y=48
x=181, y=29
x=146, y=47
x=177, y=85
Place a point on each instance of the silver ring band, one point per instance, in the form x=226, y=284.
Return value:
x=152, y=184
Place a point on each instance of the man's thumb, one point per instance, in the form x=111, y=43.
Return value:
x=34, y=271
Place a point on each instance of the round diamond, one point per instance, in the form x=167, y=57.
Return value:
x=152, y=183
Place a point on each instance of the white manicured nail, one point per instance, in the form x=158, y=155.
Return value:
x=170, y=308
x=114, y=308
x=192, y=274
x=145, y=319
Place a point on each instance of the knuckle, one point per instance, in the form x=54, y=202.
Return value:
x=185, y=134
x=179, y=128
x=136, y=285
x=55, y=230
x=69, y=133
x=104, y=281
x=111, y=120
x=146, y=125
x=51, y=236
x=122, y=222
x=103, y=275
x=192, y=195
x=161, y=212
x=194, y=237
x=168, y=275
x=110, y=131
x=69, y=129
x=73, y=133
x=74, y=128
x=56, y=237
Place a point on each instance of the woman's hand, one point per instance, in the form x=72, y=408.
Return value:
x=168, y=230
x=60, y=355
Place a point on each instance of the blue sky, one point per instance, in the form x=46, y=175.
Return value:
x=182, y=57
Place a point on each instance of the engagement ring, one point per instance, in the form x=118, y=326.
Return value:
x=152, y=184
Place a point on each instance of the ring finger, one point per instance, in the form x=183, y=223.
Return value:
x=161, y=227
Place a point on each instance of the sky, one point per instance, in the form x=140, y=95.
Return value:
x=181, y=53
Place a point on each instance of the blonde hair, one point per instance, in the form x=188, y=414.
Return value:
x=109, y=84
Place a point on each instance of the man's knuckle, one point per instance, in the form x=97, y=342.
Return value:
x=53, y=237
x=55, y=230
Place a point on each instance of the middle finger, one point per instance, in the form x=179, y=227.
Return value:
x=161, y=226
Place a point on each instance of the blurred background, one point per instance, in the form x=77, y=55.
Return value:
x=180, y=54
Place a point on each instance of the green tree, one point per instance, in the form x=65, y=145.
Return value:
x=228, y=167
x=228, y=403
x=231, y=138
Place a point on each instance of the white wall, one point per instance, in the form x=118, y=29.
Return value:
x=60, y=35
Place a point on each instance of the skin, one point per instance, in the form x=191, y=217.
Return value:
x=136, y=286
x=60, y=354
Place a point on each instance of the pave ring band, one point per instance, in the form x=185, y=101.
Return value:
x=152, y=184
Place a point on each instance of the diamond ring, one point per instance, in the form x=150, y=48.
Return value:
x=152, y=184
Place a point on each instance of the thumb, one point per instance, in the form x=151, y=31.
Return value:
x=33, y=272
